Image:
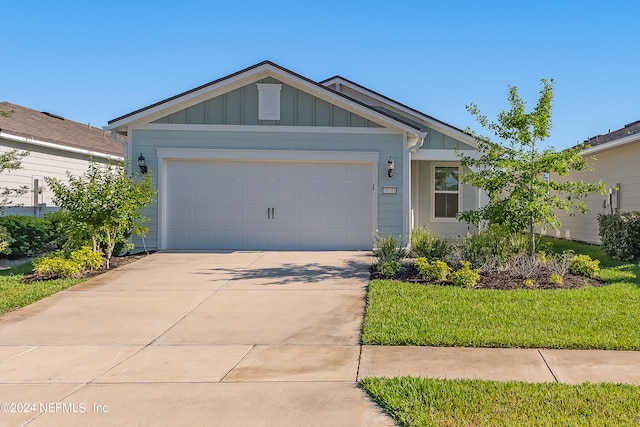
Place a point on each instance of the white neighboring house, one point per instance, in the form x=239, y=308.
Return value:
x=56, y=145
x=617, y=163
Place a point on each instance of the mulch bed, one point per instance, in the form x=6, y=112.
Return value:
x=500, y=280
x=115, y=262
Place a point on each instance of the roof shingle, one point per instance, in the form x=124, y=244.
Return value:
x=55, y=129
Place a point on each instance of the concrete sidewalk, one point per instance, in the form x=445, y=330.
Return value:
x=233, y=339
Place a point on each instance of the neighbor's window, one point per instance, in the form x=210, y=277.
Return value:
x=446, y=191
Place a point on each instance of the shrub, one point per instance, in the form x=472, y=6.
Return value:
x=56, y=264
x=493, y=245
x=428, y=245
x=435, y=271
x=620, y=235
x=388, y=268
x=465, y=276
x=556, y=278
x=387, y=249
x=583, y=265
x=529, y=283
x=5, y=241
x=87, y=258
x=30, y=234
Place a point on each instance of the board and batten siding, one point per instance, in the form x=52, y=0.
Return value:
x=618, y=165
x=40, y=163
x=240, y=107
x=422, y=200
x=390, y=206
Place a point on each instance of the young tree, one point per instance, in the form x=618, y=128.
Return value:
x=516, y=174
x=106, y=202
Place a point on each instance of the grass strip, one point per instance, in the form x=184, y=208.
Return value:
x=15, y=294
x=401, y=313
x=436, y=402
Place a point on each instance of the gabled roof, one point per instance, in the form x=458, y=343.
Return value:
x=53, y=129
x=412, y=112
x=629, y=133
x=252, y=73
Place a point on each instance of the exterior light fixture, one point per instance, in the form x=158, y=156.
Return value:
x=390, y=167
x=142, y=164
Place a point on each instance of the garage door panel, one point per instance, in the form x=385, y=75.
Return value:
x=227, y=205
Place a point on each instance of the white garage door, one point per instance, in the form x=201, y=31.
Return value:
x=268, y=205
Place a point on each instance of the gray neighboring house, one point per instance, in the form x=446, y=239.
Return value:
x=56, y=145
x=265, y=158
x=616, y=161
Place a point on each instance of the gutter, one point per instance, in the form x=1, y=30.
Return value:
x=51, y=145
x=420, y=141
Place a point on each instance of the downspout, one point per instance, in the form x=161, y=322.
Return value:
x=115, y=138
x=420, y=141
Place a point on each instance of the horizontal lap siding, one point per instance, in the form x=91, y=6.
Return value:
x=613, y=166
x=40, y=163
x=390, y=212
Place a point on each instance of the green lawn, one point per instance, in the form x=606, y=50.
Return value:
x=14, y=294
x=436, y=402
x=604, y=318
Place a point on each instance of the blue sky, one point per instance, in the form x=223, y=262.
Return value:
x=94, y=61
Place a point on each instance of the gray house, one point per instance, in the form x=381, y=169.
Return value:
x=265, y=158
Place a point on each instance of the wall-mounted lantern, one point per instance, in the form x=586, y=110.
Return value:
x=390, y=167
x=142, y=164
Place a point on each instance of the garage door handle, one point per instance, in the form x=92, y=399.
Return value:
x=273, y=213
x=268, y=213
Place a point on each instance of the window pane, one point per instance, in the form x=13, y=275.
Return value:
x=446, y=179
x=446, y=205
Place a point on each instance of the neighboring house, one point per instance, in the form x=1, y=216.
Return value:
x=56, y=145
x=616, y=161
x=265, y=158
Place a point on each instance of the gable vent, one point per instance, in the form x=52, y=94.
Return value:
x=268, y=101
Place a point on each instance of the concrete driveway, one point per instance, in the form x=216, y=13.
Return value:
x=224, y=339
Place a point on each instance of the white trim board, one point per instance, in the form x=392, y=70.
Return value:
x=263, y=128
x=59, y=147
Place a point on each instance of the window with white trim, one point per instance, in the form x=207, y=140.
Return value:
x=446, y=191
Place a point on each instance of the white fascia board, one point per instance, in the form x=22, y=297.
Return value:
x=192, y=98
x=263, y=128
x=346, y=103
x=613, y=144
x=269, y=155
x=442, y=155
x=231, y=83
x=59, y=147
x=463, y=137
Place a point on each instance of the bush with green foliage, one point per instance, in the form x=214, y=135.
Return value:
x=87, y=258
x=58, y=264
x=5, y=241
x=425, y=244
x=493, y=245
x=556, y=279
x=29, y=234
x=389, y=268
x=434, y=271
x=620, y=235
x=583, y=265
x=465, y=277
x=387, y=248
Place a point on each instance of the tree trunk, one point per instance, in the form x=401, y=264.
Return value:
x=532, y=239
